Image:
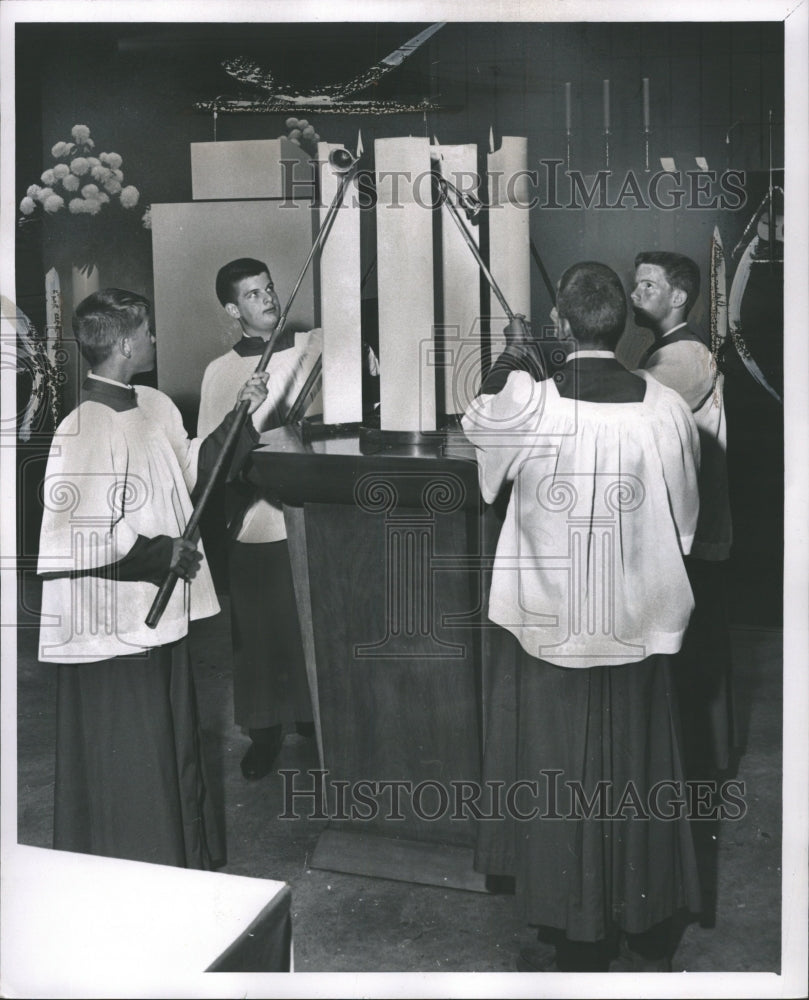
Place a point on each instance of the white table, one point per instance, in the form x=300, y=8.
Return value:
x=76, y=925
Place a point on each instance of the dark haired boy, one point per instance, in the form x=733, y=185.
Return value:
x=269, y=673
x=588, y=582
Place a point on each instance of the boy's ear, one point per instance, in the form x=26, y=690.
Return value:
x=678, y=297
x=232, y=310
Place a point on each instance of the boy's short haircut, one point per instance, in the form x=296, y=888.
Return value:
x=681, y=272
x=229, y=276
x=104, y=317
x=592, y=299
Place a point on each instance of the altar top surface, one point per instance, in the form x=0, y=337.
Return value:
x=327, y=468
x=353, y=442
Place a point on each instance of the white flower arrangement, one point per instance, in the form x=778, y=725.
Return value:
x=80, y=179
x=301, y=133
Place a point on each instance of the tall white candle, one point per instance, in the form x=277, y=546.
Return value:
x=404, y=236
x=340, y=305
x=509, y=235
x=646, y=104
x=568, y=101
x=606, y=105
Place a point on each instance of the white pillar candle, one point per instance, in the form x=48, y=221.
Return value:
x=404, y=234
x=340, y=298
x=646, y=104
x=509, y=234
x=460, y=276
x=85, y=282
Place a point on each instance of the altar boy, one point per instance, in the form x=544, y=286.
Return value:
x=269, y=673
x=666, y=287
x=589, y=579
x=130, y=781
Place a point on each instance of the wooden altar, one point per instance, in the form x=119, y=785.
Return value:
x=386, y=555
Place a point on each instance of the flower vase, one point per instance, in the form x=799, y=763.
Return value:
x=85, y=282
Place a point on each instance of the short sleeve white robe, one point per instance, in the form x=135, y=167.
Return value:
x=112, y=476
x=263, y=521
x=589, y=564
x=683, y=363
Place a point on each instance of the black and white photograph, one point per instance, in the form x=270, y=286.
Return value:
x=403, y=537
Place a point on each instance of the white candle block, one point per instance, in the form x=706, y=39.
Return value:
x=340, y=298
x=250, y=168
x=461, y=285
x=404, y=233
x=509, y=233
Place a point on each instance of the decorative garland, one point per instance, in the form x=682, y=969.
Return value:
x=718, y=311
x=46, y=364
x=53, y=339
x=754, y=219
x=737, y=289
x=274, y=97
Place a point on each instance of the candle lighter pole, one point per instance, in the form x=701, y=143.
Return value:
x=341, y=160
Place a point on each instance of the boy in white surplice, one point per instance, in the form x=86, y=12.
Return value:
x=666, y=287
x=269, y=673
x=590, y=586
x=129, y=776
